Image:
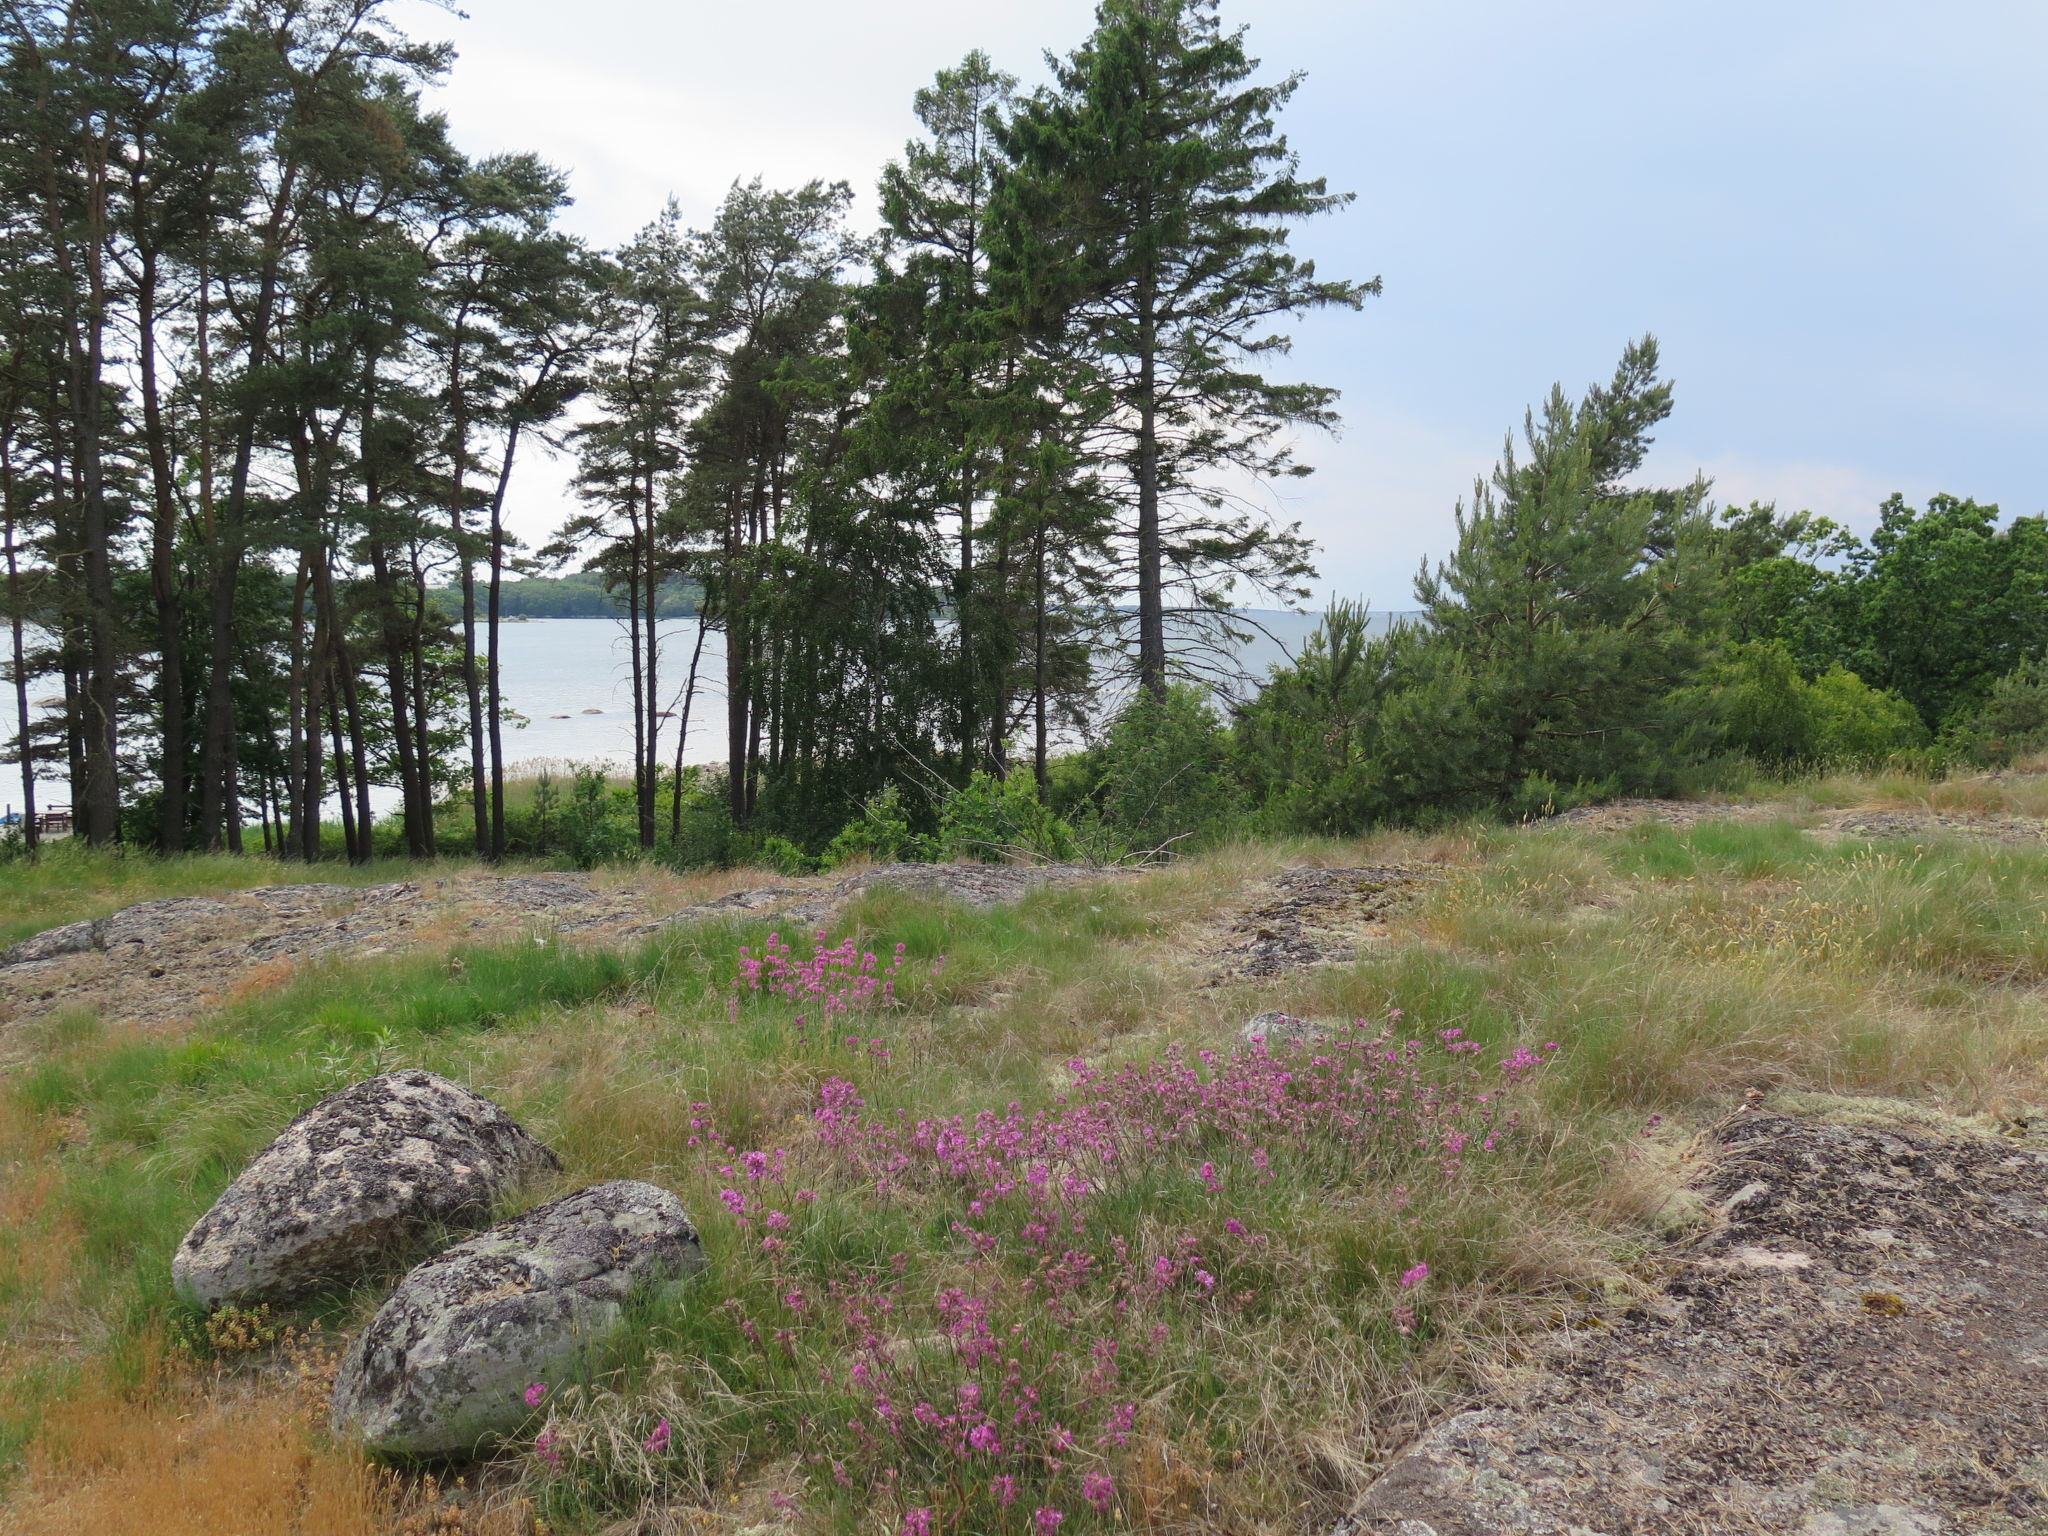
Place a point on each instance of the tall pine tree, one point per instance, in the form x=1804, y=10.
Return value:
x=1144, y=231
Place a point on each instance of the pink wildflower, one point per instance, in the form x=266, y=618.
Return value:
x=1414, y=1277
x=1099, y=1489
x=657, y=1442
x=535, y=1393
x=1045, y=1520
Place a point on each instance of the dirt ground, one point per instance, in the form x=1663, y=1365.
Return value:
x=1855, y=1345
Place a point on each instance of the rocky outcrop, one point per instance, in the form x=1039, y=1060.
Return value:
x=364, y=1169
x=1853, y=1347
x=443, y=1367
x=1282, y=1028
x=1303, y=918
x=131, y=931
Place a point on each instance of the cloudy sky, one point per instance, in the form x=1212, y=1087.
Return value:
x=1833, y=213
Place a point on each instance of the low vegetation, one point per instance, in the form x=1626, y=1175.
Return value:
x=1008, y=1228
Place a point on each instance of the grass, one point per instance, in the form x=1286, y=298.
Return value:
x=1218, y=1346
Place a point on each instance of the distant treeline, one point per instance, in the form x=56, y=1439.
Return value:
x=578, y=596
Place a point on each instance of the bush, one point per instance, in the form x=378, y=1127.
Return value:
x=1166, y=777
x=880, y=832
x=1854, y=722
x=2010, y=723
x=992, y=819
x=592, y=825
x=1754, y=702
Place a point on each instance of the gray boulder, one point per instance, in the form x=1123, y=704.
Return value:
x=363, y=1169
x=443, y=1367
x=1280, y=1028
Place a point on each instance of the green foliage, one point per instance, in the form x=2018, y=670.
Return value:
x=593, y=824
x=1166, y=776
x=1856, y=723
x=1754, y=702
x=785, y=857
x=1552, y=637
x=881, y=832
x=573, y=595
x=1304, y=744
x=1947, y=601
x=2012, y=721
x=993, y=819
x=1141, y=238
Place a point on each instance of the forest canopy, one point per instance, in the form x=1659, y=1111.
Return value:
x=955, y=491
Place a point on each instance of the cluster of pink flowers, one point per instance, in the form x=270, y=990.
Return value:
x=1355, y=1095
x=841, y=978
x=1006, y=1396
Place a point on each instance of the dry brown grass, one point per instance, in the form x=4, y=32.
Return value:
x=262, y=979
x=186, y=1452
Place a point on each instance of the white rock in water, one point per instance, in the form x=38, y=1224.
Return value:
x=443, y=1367
x=365, y=1168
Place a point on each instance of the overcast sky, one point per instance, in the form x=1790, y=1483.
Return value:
x=1832, y=215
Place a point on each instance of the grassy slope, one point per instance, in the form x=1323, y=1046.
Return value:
x=1217, y=1345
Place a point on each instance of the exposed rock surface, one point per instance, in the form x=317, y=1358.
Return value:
x=363, y=1169
x=1630, y=811
x=443, y=1367
x=2019, y=830
x=1279, y=1028
x=159, y=962
x=1858, y=1347
x=130, y=932
x=1620, y=815
x=1309, y=917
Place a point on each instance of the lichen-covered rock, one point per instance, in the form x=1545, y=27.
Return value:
x=132, y=930
x=443, y=1367
x=365, y=1168
x=1280, y=1028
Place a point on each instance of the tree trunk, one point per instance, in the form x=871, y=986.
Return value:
x=31, y=834
x=302, y=704
x=1151, y=598
x=675, y=818
x=163, y=569
x=493, y=693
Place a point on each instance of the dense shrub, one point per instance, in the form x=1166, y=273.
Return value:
x=881, y=832
x=1165, y=774
x=994, y=819
x=2011, y=722
x=1754, y=703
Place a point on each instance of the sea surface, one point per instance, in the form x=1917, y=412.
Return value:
x=569, y=683
x=571, y=680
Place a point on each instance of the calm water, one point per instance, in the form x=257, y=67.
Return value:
x=571, y=680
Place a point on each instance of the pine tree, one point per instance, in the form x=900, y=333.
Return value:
x=1144, y=230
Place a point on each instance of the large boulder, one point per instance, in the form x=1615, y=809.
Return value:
x=444, y=1366
x=369, y=1167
